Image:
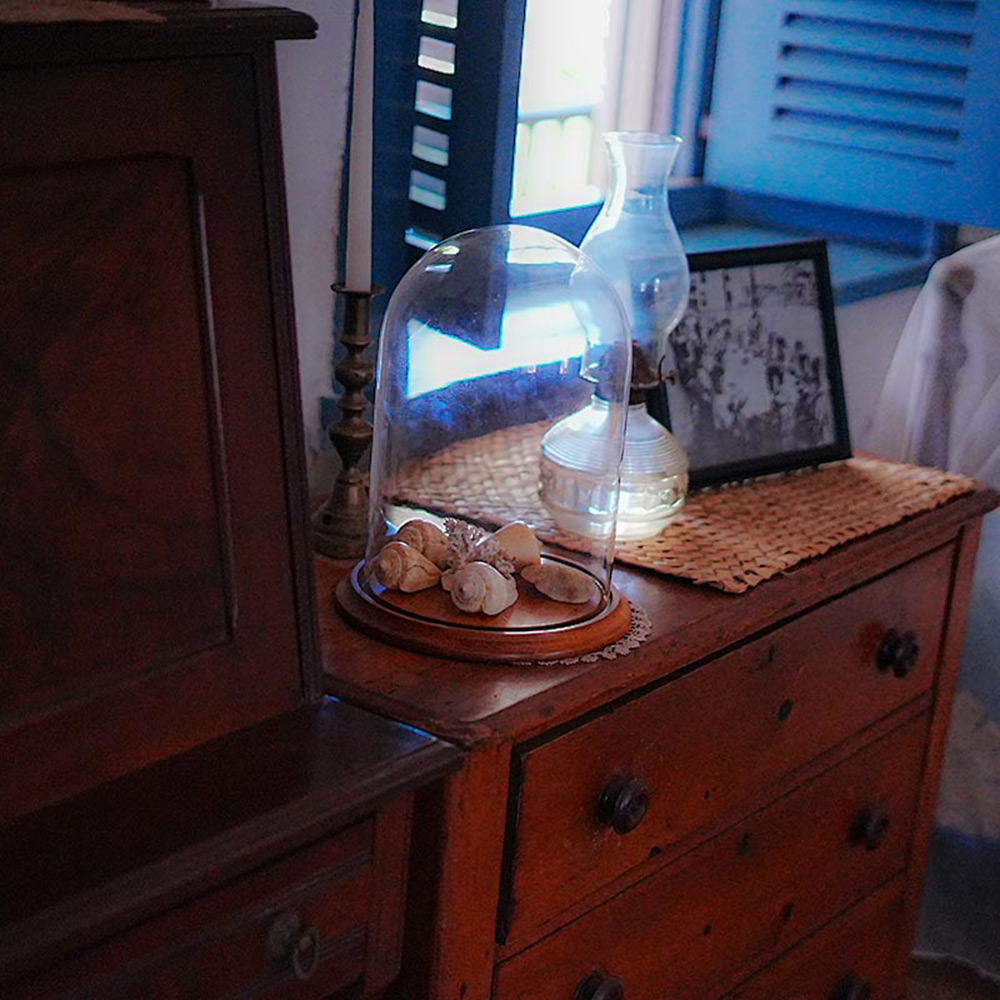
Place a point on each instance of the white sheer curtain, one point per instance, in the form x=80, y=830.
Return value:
x=940, y=406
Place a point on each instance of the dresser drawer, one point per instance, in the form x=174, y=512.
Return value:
x=855, y=952
x=296, y=929
x=693, y=749
x=717, y=914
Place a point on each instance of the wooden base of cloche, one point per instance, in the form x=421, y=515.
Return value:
x=533, y=628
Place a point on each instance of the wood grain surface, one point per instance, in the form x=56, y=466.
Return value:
x=912, y=576
x=708, y=739
x=472, y=703
x=153, y=538
x=711, y=918
x=532, y=630
x=218, y=946
x=114, y=855
x=859, y=947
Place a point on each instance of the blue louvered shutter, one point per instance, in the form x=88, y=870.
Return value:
x=446, y=93
x=397, y=35
x=467, y=71
x=890, y=105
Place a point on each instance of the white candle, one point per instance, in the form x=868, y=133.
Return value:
x=359, y=185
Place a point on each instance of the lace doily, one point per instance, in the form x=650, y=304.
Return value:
x=639, y=630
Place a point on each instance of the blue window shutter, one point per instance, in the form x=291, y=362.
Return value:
x=397, y=33
x=474, y=107
x=490, y=33
x=890, y=105
x=446, y=112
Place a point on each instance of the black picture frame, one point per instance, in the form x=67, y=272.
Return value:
x=755, y=385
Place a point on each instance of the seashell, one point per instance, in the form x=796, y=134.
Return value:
x=560, y=582
x=479, y=587
x=517, y=543
x=399, y=566
x=427, y=538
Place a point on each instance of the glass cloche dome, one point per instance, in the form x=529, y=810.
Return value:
x=503, y=384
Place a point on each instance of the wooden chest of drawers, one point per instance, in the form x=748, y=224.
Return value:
x=740, y=808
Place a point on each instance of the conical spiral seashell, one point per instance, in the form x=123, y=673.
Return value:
x=479, y=587
x=427, y=538
x=560, y=582
x=517, y=543
x=399, y=566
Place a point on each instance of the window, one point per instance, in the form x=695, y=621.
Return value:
x=866, y=121
x=587, y=68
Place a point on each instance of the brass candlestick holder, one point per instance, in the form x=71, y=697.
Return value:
x=340, y=525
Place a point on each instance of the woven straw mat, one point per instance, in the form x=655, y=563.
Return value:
x=730, y=538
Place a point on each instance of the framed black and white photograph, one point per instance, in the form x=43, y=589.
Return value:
x=755, y=383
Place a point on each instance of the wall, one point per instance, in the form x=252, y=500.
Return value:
x=868, y=331
x=314, y=81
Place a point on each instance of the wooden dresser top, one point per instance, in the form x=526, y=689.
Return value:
x=228, y=23
x=482, y=703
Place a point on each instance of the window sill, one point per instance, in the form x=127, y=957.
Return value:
x=857, y=271
x=870, y=254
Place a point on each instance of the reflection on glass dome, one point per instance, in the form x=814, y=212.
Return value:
x=492, y=342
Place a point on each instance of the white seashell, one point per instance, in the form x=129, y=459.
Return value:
x=517, y=543
x=560, y=582
x=479, y=587
x=399, y=566
x=427, y=538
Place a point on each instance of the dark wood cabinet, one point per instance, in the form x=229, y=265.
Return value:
x=181, y=814
x=739, y=808
x=176, y=881
x=153, y=541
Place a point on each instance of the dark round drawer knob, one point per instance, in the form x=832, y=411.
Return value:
x=598, y=986
x=623, y=804
x=852, y=988
x=294, y=944
x=898, y=652
x=870, y=827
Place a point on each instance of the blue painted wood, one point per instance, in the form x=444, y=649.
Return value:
x=456, y=173
x=868, y=286
x=890, y=231
x=484, y=115
x=472, y=151
x=888, y=106
x=397, y=34
x=569, y=223
x=857, y=270
x=693, y=86
x=691, y=202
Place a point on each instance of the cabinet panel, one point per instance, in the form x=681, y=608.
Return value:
x=155, y=592
x=115, y=517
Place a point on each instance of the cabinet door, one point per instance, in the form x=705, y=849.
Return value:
x=151, y=521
